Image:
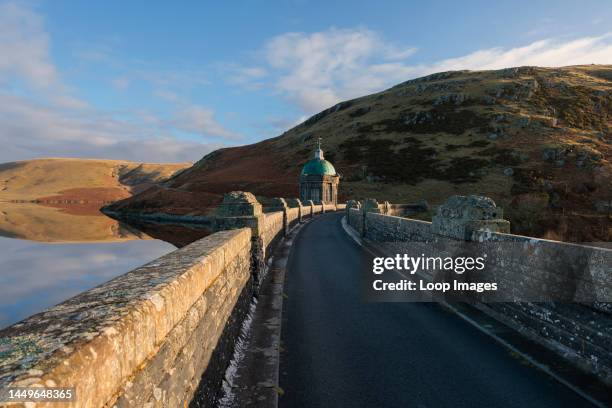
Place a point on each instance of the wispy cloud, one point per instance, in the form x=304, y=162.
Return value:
x=314, y=71
x=24, y=47
x=244, y=75
x=319, y=69
x=201, y=120
x=546, y=53
x=41, y=116
x=31, y=129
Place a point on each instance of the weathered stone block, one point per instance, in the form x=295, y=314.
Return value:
x=461, y=217
x=371, y=205
x=353, y=204
x=239, y=204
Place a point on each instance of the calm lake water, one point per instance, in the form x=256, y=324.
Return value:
x=48, y=255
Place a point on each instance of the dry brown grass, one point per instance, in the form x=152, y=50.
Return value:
x=79, y=179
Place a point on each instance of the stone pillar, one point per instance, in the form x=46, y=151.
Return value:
x=469, y=218
x=279, y=204
x=240, y=209
x=351, y=204
x=295, y=202
x=386, y=208
x=322, y=207
x=370, y=205
x=311, y=204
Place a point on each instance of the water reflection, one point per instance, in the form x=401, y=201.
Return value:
x=49, y=255
x=52, y=224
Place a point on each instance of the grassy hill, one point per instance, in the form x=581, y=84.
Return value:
x=59, y=180
x=537, y=140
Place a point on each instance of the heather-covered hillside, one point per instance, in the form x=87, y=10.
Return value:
x=537, y=140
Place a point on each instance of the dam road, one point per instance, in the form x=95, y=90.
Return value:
x=339, y=351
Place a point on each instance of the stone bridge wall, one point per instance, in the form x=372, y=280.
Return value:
x=579, y=332
x=273, y=227
x=293, y=216
x=402, y=210
x=513, y=256
x=329, y=207
x=160, y=335
x=146, y=337
x=355, y=219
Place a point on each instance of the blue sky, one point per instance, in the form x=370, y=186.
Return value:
x=161, y=81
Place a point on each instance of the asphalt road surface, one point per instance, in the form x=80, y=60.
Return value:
x=341, y=352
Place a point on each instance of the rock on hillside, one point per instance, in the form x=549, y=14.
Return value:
x=537, y=140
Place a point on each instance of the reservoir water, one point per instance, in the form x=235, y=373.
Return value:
x=48, y=255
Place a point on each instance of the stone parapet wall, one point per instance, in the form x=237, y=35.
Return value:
x=402, y=210
x=329, y=207
x=293, y=216
x=273, y=227
x=513, y=259
x=388, y=228
x=146, y=337
x=581, y=332
x=161, y=335
x=355, y=219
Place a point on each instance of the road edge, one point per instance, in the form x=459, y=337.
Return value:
x=252, y=378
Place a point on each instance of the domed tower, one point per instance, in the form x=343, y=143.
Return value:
x=319, y=181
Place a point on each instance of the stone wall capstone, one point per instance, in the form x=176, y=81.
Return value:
x=460, y=217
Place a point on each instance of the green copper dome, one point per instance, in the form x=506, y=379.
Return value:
x=318, y=167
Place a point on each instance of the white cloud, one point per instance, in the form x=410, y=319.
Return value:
x=40, y=116
x=201, y=120
x=173, y=78
x=319, y=69
x=24, y=47
x=546, y=53
x=31, y=129
x=315, y=71
x=242, y=75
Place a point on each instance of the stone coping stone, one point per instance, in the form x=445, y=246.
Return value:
x=239, y=204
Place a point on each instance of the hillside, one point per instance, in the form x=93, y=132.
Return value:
x=56, y=181
x=537, y=140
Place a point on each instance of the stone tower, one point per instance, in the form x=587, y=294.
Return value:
x=318, y=180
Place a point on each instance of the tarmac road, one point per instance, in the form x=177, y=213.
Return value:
x=341, y=352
